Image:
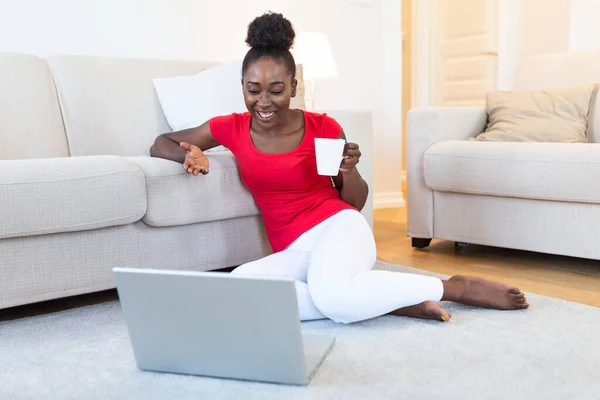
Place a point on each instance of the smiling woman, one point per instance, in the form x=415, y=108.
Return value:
x=267, y=87
x=269, y=83
x=316, y=231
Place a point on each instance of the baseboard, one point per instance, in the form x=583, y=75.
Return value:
x=388, y=200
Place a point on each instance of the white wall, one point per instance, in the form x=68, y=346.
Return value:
x=368, y=56
x=562, y=25
x=546, y=26
x=585, y=27
x=554, y=26
x=389, y=140
x=510, y=41
x=528, y=27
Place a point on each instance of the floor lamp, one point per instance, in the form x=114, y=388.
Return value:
x=313, y=51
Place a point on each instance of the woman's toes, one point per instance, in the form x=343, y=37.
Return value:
x=514, y=291
x=445, y=316
x=426, y=310
x=521, y=300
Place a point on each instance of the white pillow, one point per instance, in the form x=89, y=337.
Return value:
x=190, y=100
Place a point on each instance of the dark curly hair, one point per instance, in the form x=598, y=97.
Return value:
x=270, y=36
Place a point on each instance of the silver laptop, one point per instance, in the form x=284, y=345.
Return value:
x=219, y=325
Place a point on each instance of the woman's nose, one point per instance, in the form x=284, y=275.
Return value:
x=264, y=100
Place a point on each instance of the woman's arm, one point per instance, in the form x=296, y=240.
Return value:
x=353, y=189
x=167, y=145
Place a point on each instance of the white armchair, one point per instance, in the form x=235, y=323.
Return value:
x=532, y=196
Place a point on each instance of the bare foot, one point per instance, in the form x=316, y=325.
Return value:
x=425, y=310
x=481, y=292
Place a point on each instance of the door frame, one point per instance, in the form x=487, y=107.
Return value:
x=421, y=53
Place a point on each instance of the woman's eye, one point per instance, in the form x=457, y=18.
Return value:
x=279, y=92
x=253, y=91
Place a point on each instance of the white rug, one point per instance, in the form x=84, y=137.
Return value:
x=551, y=351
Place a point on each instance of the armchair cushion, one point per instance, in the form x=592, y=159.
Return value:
x=559, y=115
x=543, y=171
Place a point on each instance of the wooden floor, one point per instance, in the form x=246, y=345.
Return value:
x=563, y=277
x=566, y=278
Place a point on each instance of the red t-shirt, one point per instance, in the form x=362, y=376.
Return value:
x=290, y=194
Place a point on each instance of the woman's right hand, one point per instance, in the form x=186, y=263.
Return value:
x=195, y=161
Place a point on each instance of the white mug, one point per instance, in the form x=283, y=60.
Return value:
x=329, y=153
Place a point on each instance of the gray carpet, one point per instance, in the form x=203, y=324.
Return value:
x=551, y=351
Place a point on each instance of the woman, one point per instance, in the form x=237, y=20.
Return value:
x=315, y=228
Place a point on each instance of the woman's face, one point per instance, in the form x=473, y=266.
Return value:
x=268, y=89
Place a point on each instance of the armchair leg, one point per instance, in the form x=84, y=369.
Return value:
x=461, y=245
x=420, y=243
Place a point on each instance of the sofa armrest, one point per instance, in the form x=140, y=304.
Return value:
x=358, y=127
x=426, y=126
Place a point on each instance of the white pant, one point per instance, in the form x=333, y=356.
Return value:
x=332, y=264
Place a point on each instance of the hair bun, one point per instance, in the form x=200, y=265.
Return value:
x=271, y=30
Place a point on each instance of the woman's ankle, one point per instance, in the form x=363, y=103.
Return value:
x=452, y=291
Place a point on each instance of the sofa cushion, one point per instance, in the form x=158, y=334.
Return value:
x=109, y=104
x=31, y=124
x=559, y=115
x=43, y=196
x=551, y=71
x=545, y=171
x=178, y=198
x=188, y=100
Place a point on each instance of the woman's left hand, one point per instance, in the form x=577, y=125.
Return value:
x=351, y=157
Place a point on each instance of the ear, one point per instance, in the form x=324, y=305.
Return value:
x=294, y=86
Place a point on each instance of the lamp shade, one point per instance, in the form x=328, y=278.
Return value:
x=313, y=51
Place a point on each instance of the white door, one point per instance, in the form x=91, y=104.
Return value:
x=463, y=51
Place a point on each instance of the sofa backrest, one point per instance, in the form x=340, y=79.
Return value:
x=563, y=70
x=109, y=105
x=31, y=124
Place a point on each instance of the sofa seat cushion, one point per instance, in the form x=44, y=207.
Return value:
x=544, y=171
x=52, y=195
x=178, y=198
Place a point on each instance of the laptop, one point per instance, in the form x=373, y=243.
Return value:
x=219, y=325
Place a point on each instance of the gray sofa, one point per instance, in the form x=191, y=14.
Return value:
x=80, y=195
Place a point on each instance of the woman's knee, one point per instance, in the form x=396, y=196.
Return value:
x=333, y=301
x=251, y=268
x=288, y=264
x=243, y=271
